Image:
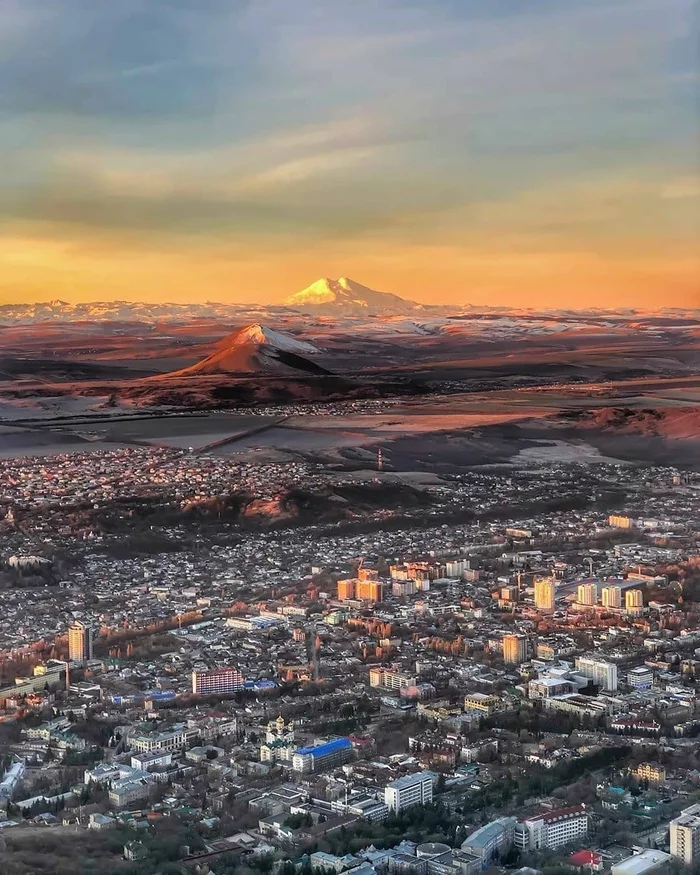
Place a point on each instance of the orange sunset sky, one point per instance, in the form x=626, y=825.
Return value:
x=532, y=153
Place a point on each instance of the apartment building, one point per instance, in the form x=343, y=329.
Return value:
x=514, y=649
x=651, y=772
x=221, y=681
x=409, y=790
x=685, y=836
x=601, y=672
x=391, y=679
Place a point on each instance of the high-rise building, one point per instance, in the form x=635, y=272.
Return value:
x=587, y=594
x=685, y=835
x=545, y=590
x=602, y=673
x=221, y=681
x=79, y=642
x=634, y=602
x=346, y=589
x=416, y=789
x=514, y=649
x=369, y=590
x=612, y=597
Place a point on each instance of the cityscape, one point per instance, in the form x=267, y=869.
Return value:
x=349, y=437
x=514, y=685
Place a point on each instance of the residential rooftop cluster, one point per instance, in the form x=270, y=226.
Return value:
x=517, y=689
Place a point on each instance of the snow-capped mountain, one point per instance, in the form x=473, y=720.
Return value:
x=259, y=334
x=347, y=297
x=258, y=350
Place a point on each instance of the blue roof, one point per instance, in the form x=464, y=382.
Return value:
x=329, y=747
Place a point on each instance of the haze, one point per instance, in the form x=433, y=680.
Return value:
x=487, y=151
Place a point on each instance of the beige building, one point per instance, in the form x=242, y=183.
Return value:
x=587, y=594
x=481, y=703
x=545, y=591
x=651, y=772
x=634, y=602
x=685, y=836
x=515, y=649
x=612, y=597
x=79, y=642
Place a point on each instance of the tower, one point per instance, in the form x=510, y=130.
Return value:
x=79, y=642
x=612, y=597
x=634, y=602
x=587, y=594
x=514, y=649
x=545, y=594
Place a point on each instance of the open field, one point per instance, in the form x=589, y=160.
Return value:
x=447, y=393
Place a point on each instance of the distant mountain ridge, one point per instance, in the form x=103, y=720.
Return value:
x=342, y=298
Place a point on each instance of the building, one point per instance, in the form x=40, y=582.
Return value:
x=545, y=591
x=494, y=839
x=346, y=589
x=279, y=742
x=391, y=679
x=602, y=673
x=179, y=736
x=79, y=642
x=685, y=836
x=641, y=864
x=219, y=681
x=481, y=703
x=634, y=602
x=640, y=678
x=123, y=793
x=586, y=860
x=10, y=782
x=612, y=596
x=651, y=772
x=552, y=829
x=320, y=757
x=409, y=790
x=369, y=590
x=587, y=594
x=515, y=649
x=620, y=522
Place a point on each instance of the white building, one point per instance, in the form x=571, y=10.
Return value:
x=177, y=737
x=410, y=790
x=552, y=829
x=601, y=672
x=494, y=838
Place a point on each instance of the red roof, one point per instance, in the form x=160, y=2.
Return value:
x=585, y=858
x=563, y=813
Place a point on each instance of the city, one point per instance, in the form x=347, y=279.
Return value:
x=349, y=437
x=515, y=687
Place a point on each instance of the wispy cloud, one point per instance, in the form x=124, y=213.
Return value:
x=538, y=124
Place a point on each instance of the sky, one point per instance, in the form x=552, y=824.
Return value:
x=515, y=152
